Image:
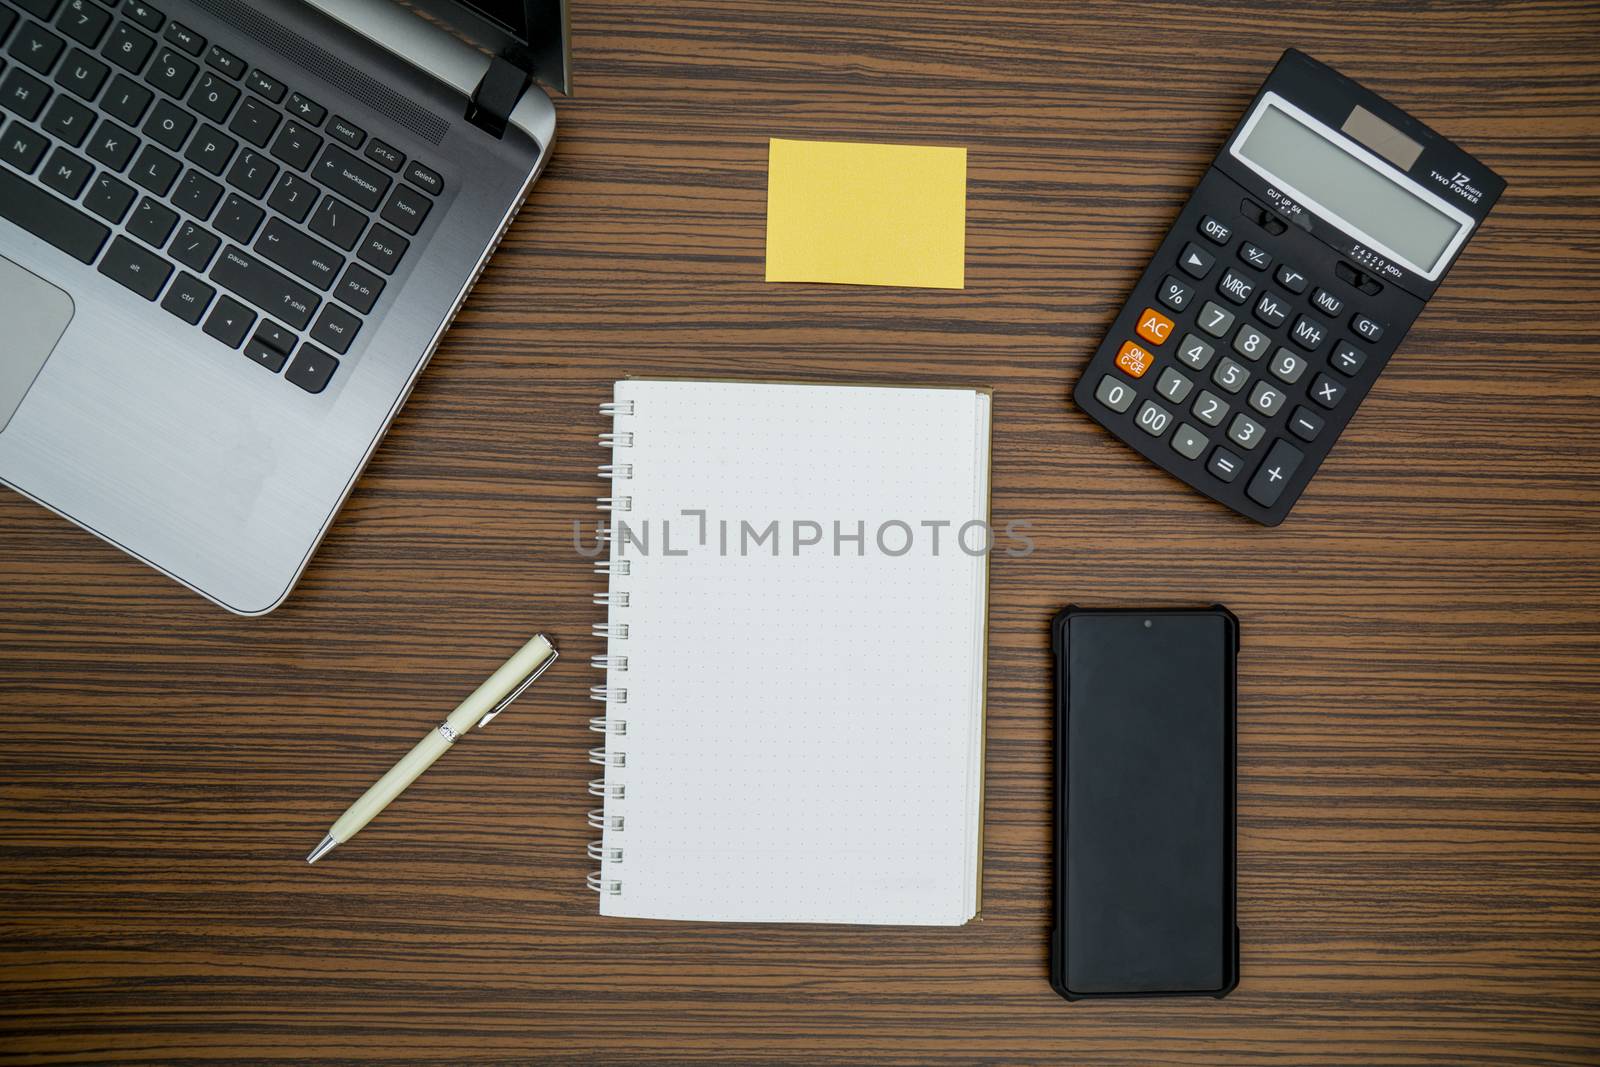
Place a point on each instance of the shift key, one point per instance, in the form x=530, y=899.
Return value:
x=305, y=257
x=350, y=177
x=249, y=276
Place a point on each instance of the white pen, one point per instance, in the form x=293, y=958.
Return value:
x=487, y=701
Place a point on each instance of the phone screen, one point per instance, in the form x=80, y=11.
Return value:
x=1148, y=802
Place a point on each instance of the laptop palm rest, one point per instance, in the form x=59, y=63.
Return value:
x=35, y=314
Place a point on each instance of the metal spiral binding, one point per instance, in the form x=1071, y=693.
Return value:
x=613, y=600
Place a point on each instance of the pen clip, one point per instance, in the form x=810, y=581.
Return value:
x=521, y=686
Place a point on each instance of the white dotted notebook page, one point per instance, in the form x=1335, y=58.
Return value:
x=803, y=721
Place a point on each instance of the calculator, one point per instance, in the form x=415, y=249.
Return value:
x=1309, y=247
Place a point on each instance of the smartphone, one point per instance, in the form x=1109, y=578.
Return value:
x=1144, y=836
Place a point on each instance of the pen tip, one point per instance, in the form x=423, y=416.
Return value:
x=327, y=846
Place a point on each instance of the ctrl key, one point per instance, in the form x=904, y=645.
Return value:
x=1272, y=477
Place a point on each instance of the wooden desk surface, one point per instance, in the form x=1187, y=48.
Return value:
x=1419, y=730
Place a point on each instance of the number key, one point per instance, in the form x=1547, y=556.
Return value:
x=1230, y=375
x=1210, y=408
x=1286, y=366
x=128, y=48
x=1250, y=342
x=1154, y=419
x=1215, y=319
x=1267, y=400
x=171, y=73
x=1195, y=352
x=1174, y=386
x=1245, y=432
x=1118, y=396
x=1175, y=294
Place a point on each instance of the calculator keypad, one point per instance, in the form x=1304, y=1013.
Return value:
x=1247, y=347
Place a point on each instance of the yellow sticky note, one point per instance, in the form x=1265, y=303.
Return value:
x=866, y=214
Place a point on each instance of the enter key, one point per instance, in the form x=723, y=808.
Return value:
x=305, y=257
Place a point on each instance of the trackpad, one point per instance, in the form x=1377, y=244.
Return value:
x=34, y=315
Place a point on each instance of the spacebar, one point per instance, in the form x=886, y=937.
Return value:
x=50, y=219
x=272, y=292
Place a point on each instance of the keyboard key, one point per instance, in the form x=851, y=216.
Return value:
x=1272, y=309
x=359, y=288
x=425, y=179
x=1230, y=375
x=265, y=355
x=1174, y=293
x=1272, y=477
x=305, y=257
x=188, y=298
x=254, y=122
x=128, y=48
x=1368, y=327
x=38, y=8
x=1305, y=424
x=109, y=198
x=343, y=129
x=1214, y=231
x=293, y=197
x=351, y=178
x=385, y=156
x=1215, y=319
x=276, y=337
x=1153, y=419
x=126, y=100
x=266, y=85
x=82, y=75
x=239, y=219
x=1134, y=360
x=296, y=145
x=84, y=21
x=1326, y=391
x=312, y=369
x=249, y=276
x=1267, y=399
x=1245, y=431
x=36, y=47
x=68, y=120
x=1308, y=333
x=1154, y=326
x=1194, y=261
x=196, y=195
x=185, y=38
x=211, y=150
x=1195, y=352
x=1251, y=343
x=1286, y=366
x=1236, y=287
x=194, y=246
x=171, y=73
x=1255, y=256
x=152, y=222
x=1174, y=386
x=252, y=173
x=1210, y=408
x=50, y=219
x=229, y=64
x=169, y=125
x=150, y=18
x=1291, y=279
x=406, y=210
x=1224, y=465
x=307, y=110
x=155, y=170
x=1189, y=442
x=339, y=222
x=1327, y=302
x=66, y=173
x=1114, y=394
x=22, y=147
x=213, y=97
x=383, y=248
x=229, y=321
x=112, y=145
x=8, y=19
x=1347, y=359
x=22, y=93
x=134, y=268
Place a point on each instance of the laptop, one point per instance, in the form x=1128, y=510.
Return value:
x=231, y=234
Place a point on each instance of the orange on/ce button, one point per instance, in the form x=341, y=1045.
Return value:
x=1154, y=326
x=1133, y=360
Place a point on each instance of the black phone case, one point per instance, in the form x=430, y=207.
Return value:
x=1229, y=964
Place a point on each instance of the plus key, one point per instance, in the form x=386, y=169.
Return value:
x=1272, y=477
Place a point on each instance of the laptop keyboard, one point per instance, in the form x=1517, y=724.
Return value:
x=200, y=182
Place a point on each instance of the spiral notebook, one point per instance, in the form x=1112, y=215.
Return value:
x=795, y=650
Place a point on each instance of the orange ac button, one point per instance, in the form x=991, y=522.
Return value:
x=1154, y=326
x=1133, y=360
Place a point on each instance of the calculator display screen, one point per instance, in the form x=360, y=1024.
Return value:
x=1352, y=189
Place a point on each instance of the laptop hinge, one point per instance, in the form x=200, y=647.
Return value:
x=497, y=94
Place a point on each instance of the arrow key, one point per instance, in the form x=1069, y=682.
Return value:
x=230, y=321
x=1272, y=477
x=1195, y=261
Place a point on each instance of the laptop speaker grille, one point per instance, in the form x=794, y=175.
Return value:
x=298, y=50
